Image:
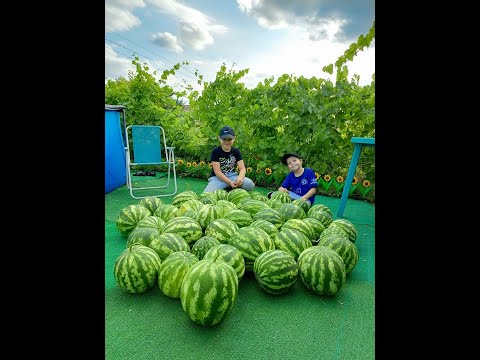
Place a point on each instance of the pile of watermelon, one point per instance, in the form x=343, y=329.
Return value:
x=199, y=247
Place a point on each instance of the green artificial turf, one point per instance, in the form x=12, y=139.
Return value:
x=295, y=325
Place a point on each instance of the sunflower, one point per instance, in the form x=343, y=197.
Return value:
x=258, y=171
x=201, y=163
x=194, y=164
x=249, y=170
x=366, y=183
x=317, y=176
x=340, y=179
x=355, y=180
x=189, y=164
x=326, y=177
x=180, y=162
x=268, y=171
x=210, y=165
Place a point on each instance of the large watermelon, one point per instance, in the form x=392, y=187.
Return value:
x=129, y=217
x=220, y=194
x=202, y=245
x=172, y=272
x=284, y=197
x=167, y=212
x=324, y=217
x=345, y=248
x=183, y=196
x=335, y=229
x=321, y=270
x=300, y=225
x=151, y=203
x=151, y=221
x=168, y=243
x=317, y=227
x=251, y=242
x=209, y=291
x=190, y=204
x=136, y=269
x=276, y=271
x=225, y=206
x=143, y=236
x=207, y=213
x=188, y=228
x=252, y=206
x=231, y=255
x=292, y=241
x=292, y=211
x=266, y=226
x=319, y=207
x=238, y=194
x=239, y=217
x=348, y=227
x=221, y=229
x=304, y=204
x=270, y=215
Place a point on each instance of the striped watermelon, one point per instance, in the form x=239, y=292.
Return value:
x=202, y=245
x=129, y=217
x=319, y=207
x=304, y=204
x=274, y=203
x=270, y=215
x=221, y=229
x=251, y=242
x=142, y=236
x=284, y=197
x=172, y=272
x=167, y=212
x=238, y=194
x=225, y=206
x=231, y=255
x=345, y=248
x=167, y=243
x=324, y=217
x=348, y=227
x=276, y=271
x=302, y=226
x=317, y=227
x=253, y=206
x=207, y=199
x=292, y=211
x=206, y=214
x=256, y=195
x=190, y=204
x=209, y=291
x=136, y=269
x=239, y=217
x=151, y=203
x=292, y=241
x=151, y=221
x=220, y=194
x=266, y=226
x=189, y=229
x=321, y=270
x=183, y=196
x=335, y=229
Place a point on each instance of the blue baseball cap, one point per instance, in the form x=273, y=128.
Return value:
x=287, y=155
x=226, y=131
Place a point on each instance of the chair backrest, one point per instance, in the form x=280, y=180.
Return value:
x=147, y=144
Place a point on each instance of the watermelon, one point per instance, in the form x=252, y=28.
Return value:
x=317, y=227
x=220, y=194
x=172, y=272
x=237, y=194
x=276, y=271
x=324, y=217
x=292, y=211
x=167, y=243
x=253, y=206
x=321, y=270
x=302, y=226
x=251, y=242
x=274, y=203
x=284, y=197
x=304, y=204
x=266, y=226
x=239, y=217
x=335, y=229
x=136, y=269
x=129, y=217
x=270, y=215
x=209, y=291
x=319, y=207
x=348, y=227
x=225, y=206
x=151, y=203
x=292, y=241
x=190, y=204
x=221, y=229
x=151, y=221
x=206, y=214
x=231, y=255
x=143, y=236
x=202, y=245
x=344, y=247
x=258, y=196
x=183, y=196
x=207, y=199
x=167, y=212
x=189, y=229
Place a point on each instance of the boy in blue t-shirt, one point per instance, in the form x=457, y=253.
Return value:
x=300, y=183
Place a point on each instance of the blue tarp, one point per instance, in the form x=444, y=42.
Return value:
x=115, y=170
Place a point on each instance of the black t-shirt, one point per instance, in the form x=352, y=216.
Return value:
x=228, y=160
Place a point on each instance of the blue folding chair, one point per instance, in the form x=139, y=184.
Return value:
x=149, y=148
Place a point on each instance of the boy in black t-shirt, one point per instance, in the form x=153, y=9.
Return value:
x=224, y=160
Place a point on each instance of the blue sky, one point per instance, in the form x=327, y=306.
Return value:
x=269, y=37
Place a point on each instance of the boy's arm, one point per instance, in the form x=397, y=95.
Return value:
x=309, y=193
x=241, y=172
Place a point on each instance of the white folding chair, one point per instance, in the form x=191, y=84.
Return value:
x=149, y=148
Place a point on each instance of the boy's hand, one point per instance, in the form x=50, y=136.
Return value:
x=239, y=182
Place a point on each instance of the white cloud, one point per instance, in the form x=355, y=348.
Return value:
x=119, y=16
x=115, y=65
x=168, y=41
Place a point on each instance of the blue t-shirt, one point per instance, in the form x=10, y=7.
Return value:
x=228, y=160
x=300, y=185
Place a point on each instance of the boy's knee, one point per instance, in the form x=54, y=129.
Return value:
x=248, y=184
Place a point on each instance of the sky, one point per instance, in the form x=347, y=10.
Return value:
x=268, y=37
